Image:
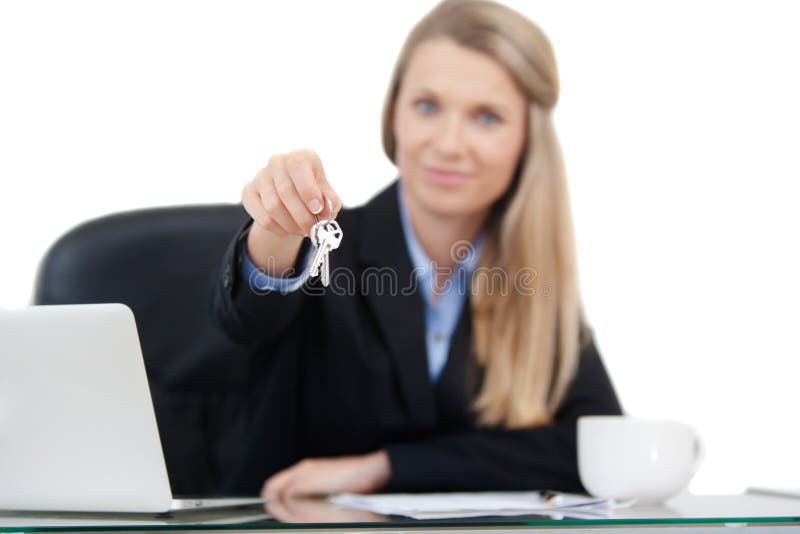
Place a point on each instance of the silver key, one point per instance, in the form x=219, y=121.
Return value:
x=326, y=236
x=316, y=261
x=333, y=238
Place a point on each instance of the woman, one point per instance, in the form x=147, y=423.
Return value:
x=472, y=377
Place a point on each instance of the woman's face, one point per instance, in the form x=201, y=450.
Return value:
x=460, y=124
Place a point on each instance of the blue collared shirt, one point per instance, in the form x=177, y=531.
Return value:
x=262, y=282
x=441, y=315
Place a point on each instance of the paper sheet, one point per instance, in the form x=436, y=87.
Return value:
x=474, y=504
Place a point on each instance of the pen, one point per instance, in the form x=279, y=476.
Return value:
x=549, y=497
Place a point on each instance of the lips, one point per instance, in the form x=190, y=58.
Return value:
x=445, y=176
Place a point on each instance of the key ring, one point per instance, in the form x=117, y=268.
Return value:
x=330, y=210
x=313, y=234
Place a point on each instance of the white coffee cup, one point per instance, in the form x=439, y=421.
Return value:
x=623, y=458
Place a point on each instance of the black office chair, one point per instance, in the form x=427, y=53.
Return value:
x=161, y=262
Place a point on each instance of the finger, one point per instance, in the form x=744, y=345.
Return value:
x=324, y=184
x=300, y=486
x=303, y=508
x=252, y=204
x=272, y=488
x=280, y=510
x=305, y=171
x=274, y=207
x=293, y=202
x=306, y=475
x=275, y=485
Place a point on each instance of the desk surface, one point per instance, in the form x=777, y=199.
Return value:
x=686, y=513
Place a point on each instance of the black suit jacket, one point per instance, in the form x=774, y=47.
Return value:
x=344, y=371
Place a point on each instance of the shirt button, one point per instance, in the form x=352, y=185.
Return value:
x=437, y=337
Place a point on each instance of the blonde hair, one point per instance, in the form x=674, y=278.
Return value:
x=528, y=345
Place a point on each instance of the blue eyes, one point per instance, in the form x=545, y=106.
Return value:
x=426, y=107
x=488, y=118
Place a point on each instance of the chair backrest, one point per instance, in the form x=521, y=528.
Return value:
x=162, y=262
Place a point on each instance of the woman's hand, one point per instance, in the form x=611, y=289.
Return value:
x=324, y=476
x=284, y=196
x=282, y=200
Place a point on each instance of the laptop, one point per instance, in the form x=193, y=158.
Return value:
x=77, y=427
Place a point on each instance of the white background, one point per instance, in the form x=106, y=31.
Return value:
x=679, y=122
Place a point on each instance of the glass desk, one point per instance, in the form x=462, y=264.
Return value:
x=684, y=514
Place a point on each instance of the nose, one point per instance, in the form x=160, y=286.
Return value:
x=450, y=136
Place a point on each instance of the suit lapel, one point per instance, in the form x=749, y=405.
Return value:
x=398, y=309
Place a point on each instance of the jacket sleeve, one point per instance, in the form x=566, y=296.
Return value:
x=542, y=457
x=247, y=311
